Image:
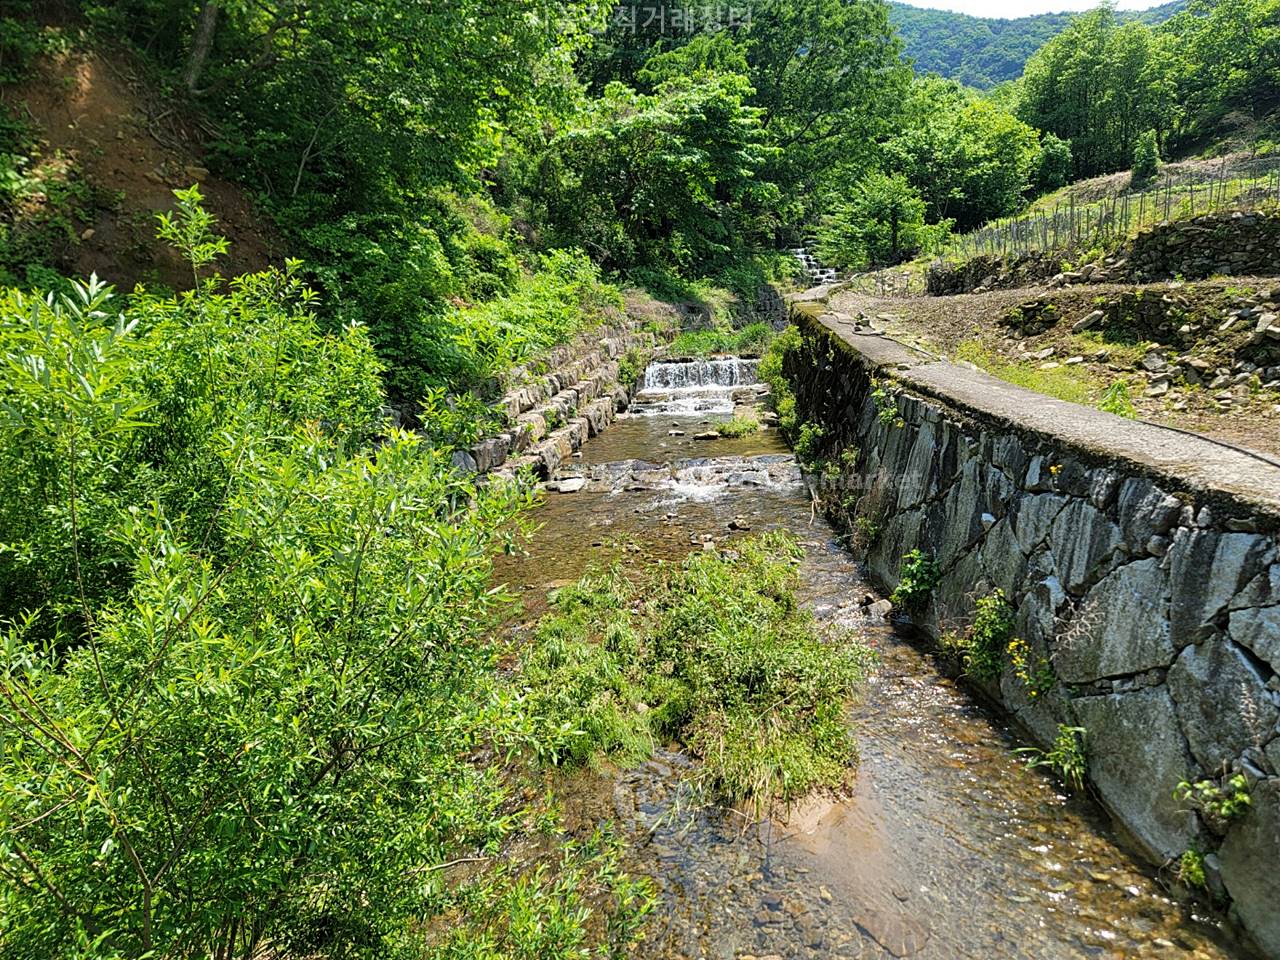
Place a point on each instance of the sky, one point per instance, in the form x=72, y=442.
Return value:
x=1024, y=8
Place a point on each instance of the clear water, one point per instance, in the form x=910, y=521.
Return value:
x=947, y=847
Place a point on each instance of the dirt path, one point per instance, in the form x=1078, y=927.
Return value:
x=1080, y=366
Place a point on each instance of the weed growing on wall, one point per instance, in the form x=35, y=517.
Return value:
x=917, y=576
x=1066, y=757
x=1218, y=801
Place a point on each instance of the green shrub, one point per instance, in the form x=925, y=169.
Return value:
x=781, y=396
x=251, y=649
x=1116, y=399
x=739, y=426
x=1219, y=802
x=917, y=576
x=988, y=637
x=1191, y=870
x=1146, y=156
x=714, y=653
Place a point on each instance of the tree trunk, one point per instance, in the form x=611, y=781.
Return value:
x=201, y=44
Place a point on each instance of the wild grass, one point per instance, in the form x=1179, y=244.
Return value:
x=753, y=338
x=712, y=653
x=1065, y=383
x=740, y=426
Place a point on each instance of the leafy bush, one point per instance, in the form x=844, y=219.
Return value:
x=713, y=653
x=781, y=396
x=245, y=665
x=881, y=224
x=1146, y=156
x=989, y=636
x=1116, y=399
x=564, y=295
x=917, y=576
x=661, y=180
x=1053, y=166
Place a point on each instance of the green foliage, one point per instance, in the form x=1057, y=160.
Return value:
x=1116, y=399
x=917, y=576
x=524, y=911
x=1054, y=165
x=189, y=230
x=739, y=426
x=884, y=399
x=989, y=637
x=1035, y=673
x=662, y=179
x=983, y=647
x=454, y=421
x=970, y=159
x=1219, y=802
x=807, y=445
x=1190, y=870
x=983, y=52
x=714, y=653
x=882, y=223
x=751, y=339
x=781, y=396
x=1066, y=758
x=1096, y=85
x=42, y=201
x=1146, y=156
x=245, y=659
x=631, y=366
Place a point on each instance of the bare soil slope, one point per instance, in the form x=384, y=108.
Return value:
x=91, y=108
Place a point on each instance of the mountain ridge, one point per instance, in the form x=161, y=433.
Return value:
x=985, y=51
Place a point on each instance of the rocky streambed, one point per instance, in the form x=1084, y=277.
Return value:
x=947, y=847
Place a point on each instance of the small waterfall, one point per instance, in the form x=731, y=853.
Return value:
x=695, y=386
x=815, y=271
x=700, y=374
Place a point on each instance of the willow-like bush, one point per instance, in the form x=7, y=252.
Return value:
x=246, y=694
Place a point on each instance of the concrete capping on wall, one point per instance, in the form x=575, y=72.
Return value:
x=1143, y=565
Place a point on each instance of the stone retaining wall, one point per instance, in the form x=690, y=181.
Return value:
x=551, y=413
x=1143, y=565
x=1226, y=244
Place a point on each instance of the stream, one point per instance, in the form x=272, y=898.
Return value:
x=948, y=846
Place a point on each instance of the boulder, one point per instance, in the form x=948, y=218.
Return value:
x=1136, y=757
x=1249, y=871
x=1222, y=702
x=1121, y=627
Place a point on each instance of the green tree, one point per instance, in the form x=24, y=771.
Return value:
x=827, y=76
x=1053, y=165
x=1098, y=84
x=668, y=179
x=1146, y=157
x=970, y=159
x=882, y=223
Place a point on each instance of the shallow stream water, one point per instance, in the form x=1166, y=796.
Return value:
x=948, y=846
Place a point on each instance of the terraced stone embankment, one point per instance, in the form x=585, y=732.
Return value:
x=1143, y=566
x=570, y=394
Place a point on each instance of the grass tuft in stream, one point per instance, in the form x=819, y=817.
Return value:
x=740, y=426
x=713, y=653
